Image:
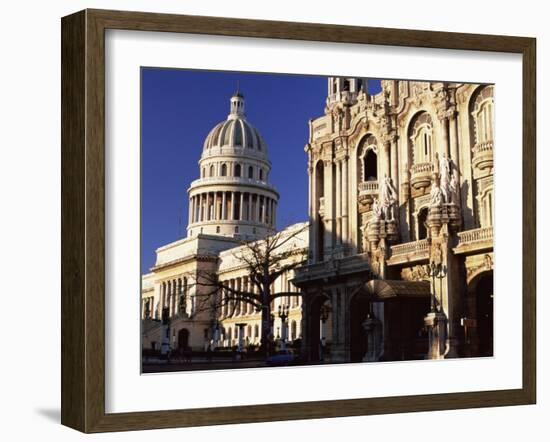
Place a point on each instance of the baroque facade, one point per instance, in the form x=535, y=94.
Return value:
x=399, y=236
x=401, y=209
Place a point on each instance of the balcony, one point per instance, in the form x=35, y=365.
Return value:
x=221, y=180
x=332, y=268
x=410, y=252
x=475, y=240
x=483, y=155
x=421, y=175
x=368, y=188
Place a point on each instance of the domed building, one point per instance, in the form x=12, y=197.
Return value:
x=232, y=197
x=231, y=202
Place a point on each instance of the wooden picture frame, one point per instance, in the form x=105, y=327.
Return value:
x=83, y=220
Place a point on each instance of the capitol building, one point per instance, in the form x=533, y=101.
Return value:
x=398, y=244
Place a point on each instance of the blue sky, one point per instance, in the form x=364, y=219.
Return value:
x=179, y=107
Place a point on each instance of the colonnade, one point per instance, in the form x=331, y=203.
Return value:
x=170, y=292
x=232, y=206
x=233, y=169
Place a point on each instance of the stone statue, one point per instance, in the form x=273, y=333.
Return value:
x=436, y=196
x=388, y=198
x=376, y=210
x=444, y=177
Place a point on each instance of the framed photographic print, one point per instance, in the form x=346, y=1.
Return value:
x=267, y=221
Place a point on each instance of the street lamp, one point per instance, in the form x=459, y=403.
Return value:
x=436, y=271
x=283, y=315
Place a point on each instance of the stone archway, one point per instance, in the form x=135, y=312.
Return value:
x=183, y=339
x=480, y=315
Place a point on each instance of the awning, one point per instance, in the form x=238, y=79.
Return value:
x=388, y=289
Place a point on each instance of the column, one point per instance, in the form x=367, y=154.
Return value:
x=313, y=213
x=445, y=134
x=173, y=299
x=162, y=296
x=200, y=215
x=394, y=164
x=232, y=206
x=453, y=132
x=241, y=207
x=338, y=202
x=168, y=296
x=249, y=205
x=224, y=205
x=329, y=215
x=345, y=200
x=232, y=295
x=217, y=206
x=386, y=158
x=190, y=212
x=196, y=205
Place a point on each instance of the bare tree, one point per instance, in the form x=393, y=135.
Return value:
x=264, y=261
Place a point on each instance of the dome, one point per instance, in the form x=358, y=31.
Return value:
x=233, y=196
x=235, y=131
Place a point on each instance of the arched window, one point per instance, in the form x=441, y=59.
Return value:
x=237, y=170
x=367, y=164
x=261, y=174
x=212, y=170
x=256, y=331
x=224, y=169
x=485, y=206
x=250, y=172
x=293, y=331
x=420, y=138
x=370, y=166
x=482, y=114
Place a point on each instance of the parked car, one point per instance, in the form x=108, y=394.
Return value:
x=282, y=357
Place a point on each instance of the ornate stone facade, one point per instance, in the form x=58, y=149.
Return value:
x=401, y=184
x=400, y=238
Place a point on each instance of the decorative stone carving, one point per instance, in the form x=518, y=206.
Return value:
x=416, y=273
x=436, y=254
x=478, y=264
x=445, y=187
x=376, y=210
x=436, y=196
x=388, y=199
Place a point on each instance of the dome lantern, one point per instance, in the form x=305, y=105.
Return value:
x=237, y=105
